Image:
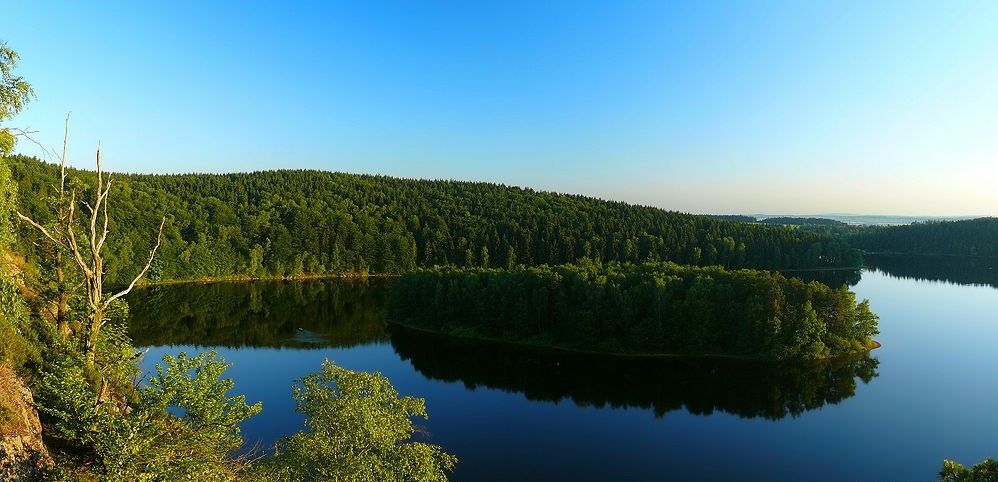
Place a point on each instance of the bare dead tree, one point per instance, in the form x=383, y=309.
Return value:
x=62, y=297
x=87, y=249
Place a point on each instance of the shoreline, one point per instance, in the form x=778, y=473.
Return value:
x=248, y=279
x=648, y=356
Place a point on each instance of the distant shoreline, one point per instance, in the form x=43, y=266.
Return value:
x=207, y=280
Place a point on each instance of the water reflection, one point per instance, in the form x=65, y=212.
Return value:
x=308, y=314
x=338, y=313
x=949, y=269
x=701, y=386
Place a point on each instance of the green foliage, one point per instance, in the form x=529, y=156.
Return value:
x=283, y=223
x=972, y=237
x=19, y=343
x=358, y=429
x=182, y=426
x=645, y=308
x=986, y=471
x=15, y=92
x=8, y=203
x=194, y=385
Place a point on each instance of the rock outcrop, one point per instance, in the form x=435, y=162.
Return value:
x=23, y=456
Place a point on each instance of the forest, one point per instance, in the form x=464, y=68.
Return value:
x=972, y=237
x=477, y=260
x=648, y=308
x=289, y=223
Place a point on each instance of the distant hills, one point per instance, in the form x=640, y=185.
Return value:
x=836, y=219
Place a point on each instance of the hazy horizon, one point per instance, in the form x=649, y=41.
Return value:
x=720, y=108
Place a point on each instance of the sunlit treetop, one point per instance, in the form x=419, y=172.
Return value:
x=15, y=93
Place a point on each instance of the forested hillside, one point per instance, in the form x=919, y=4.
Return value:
x=297, y=222
x=972, y=237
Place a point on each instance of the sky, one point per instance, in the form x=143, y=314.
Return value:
x=709, y=107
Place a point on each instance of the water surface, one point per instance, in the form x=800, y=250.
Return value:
x=514, y=413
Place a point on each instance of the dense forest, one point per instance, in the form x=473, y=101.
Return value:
x=972, y=237
x=651, y=308
x=284, y=223
x=739, y=218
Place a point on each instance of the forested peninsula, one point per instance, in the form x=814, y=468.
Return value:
x=295, y=222
x=650, y=308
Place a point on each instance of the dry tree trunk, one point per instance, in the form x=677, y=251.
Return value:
x=87, y=251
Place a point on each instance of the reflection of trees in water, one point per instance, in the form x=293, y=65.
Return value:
x=260, y=314
x=701, y=386
x=348, y=313
x=950, y=269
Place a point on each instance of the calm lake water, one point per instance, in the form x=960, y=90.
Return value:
x=513, y=413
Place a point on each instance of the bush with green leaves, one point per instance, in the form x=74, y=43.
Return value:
x=18, y=337
x=357, y=428
x=986, y=471
x=182, y=426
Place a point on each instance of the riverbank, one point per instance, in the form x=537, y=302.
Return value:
x=249, y=278
x=635, y=355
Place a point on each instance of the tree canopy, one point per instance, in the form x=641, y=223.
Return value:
x=972, y=237
x=15, y=93
x=283, y=223
x=650, y=308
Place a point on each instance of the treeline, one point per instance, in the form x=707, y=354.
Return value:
x=801, y=221
x=281, y=223
x=738, y=218
x=972, y=237
x=650, y=308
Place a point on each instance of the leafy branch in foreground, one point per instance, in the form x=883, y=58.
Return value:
x=356, y=428
x=986, y=471
x=15, y=93
x=147, y=441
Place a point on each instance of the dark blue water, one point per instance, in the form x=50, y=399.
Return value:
x=520, y=414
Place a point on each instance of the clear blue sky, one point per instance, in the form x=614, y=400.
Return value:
x=730, y=107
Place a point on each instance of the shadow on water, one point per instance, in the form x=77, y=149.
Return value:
x=307, y=314
x=701, y=386
x=949, y=269
x=349, y=314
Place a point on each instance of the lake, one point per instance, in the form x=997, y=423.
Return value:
x=516, y=413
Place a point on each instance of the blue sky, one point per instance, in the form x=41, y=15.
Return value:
x=728, y=107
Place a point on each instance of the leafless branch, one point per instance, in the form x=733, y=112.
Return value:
x=152, y=255
x=37, y=226
x=29, y=135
